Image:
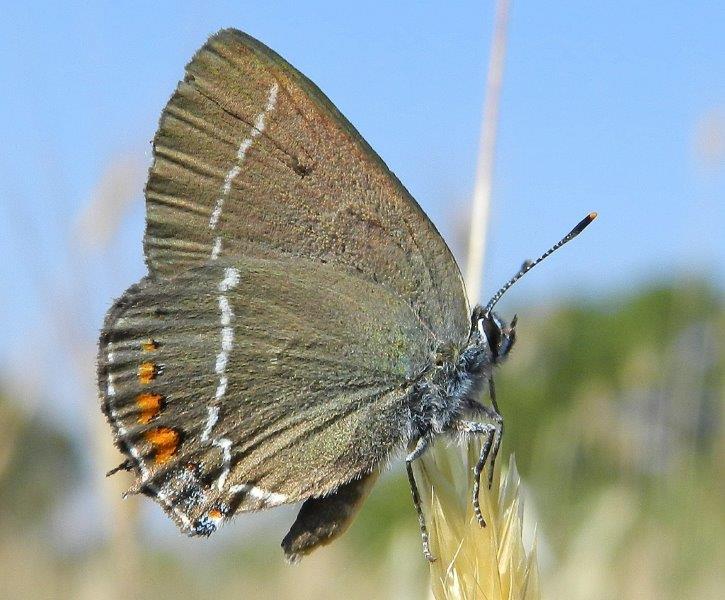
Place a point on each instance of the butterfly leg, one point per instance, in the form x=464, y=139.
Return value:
x=489, y=430
x=496, y=416
x=491, y=414
x=420, y=447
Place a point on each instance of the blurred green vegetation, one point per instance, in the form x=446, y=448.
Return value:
x=623, y=399
x=613, y=408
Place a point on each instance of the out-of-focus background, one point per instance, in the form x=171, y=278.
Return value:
x=614, y=397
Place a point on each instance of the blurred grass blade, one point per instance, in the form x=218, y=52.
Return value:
x=481, y=203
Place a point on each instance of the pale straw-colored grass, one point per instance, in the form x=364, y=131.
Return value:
x=474, y=562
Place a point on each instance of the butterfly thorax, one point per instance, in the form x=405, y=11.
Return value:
x=454, y=382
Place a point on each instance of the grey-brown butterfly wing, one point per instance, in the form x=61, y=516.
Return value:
x=253, y=163
x=252, y=159
x=244, y=384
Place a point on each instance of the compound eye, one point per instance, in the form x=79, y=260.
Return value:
x=492, y=330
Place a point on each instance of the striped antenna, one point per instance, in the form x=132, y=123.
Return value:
x=528, y=265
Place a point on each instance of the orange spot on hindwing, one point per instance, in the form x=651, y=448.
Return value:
x=149, y=345
x=149, y=406
x=165, y=442
x=147, y=372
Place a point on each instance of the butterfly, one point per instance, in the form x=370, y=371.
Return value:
x=302, y=321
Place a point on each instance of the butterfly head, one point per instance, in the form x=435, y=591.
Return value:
x=493, y=330
x=499, y=335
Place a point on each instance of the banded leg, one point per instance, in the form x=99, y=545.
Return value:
x=499, y=431
x=474, y=428
x=420, y=448
x=493, y=415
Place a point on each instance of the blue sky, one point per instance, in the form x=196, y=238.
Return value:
x=603, y=108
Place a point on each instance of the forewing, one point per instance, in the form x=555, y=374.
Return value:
x=252, y=159
x=241, y=385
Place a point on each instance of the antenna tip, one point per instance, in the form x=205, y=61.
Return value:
x=580, y=226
